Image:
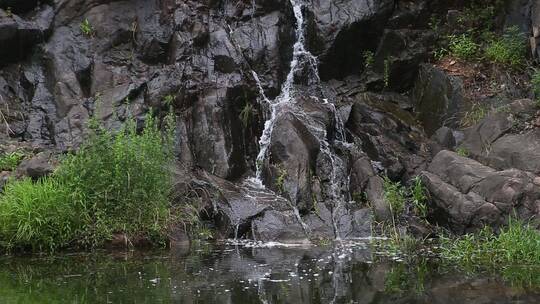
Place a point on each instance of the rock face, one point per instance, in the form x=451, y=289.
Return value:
x=507, y=138
x=221, y=67
x=439, y=98
x=468, y=195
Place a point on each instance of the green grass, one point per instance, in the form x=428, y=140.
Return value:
x=116, y=183
x=10, y=161
x=510, y=49
x=517, y=244
x=247, y=114
x=395, y=196
x=419, y=197
x=39, y=215
x=476, y=113
x=463, y=46
x=463, y=152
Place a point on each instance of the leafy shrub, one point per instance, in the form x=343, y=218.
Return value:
x=10, y=161
x=462, y=46
x=115, y=183
x=38, y=215
x=122, y=182
x=510, y=49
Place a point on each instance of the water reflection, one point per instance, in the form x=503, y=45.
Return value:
x=233, y=274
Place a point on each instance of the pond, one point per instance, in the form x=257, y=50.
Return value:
x=224, y=273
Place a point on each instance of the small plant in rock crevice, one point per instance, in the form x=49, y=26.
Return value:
x=462, y=151
x=247, y=114
x=86, y=28
x=369, y=59
x=280, y=180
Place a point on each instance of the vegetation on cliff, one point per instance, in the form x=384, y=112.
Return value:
x=116, y=183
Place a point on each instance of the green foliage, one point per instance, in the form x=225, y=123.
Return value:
x=38, y=215
x=369, y=59
x=517, y=244
x=510, y=49
x=9, y=13
x=168, y=100
x=419, y=197
x=10, y=161
x=246, y=115
x=395, y=196
x=122, y=182
x=463, y=152
x=280, y=180
x=535, y=82
x=116, y=183
x=86, y=28
x=463, y=46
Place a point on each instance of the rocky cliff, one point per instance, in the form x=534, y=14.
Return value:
x=289, y=113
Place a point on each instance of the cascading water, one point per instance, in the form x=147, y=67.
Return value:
x=300, y=57
x=302, y=60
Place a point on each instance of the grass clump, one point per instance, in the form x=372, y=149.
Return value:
x=510, y=49
x=463, y=46
x=476, y=113
x=419, y=197
x=37, y=215
x=10, y=161
x=517, y=244
x=395, y=196
x=116, y=183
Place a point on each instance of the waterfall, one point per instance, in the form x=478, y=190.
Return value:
x=300, y=56
x=285, y=102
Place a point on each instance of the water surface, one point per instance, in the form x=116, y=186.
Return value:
x=235, y=274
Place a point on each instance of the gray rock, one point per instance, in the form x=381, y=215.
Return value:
x=467, y=195
x=38, y=166
x=438, y=98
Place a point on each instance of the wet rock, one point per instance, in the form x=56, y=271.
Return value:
x=388, y=135
x=438, y=98
x=280, y=227
x=445, y=138
x=21, y=35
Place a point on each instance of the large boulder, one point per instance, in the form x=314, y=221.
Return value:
x=438, y=98
x=467, y=195
x=507, y=138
